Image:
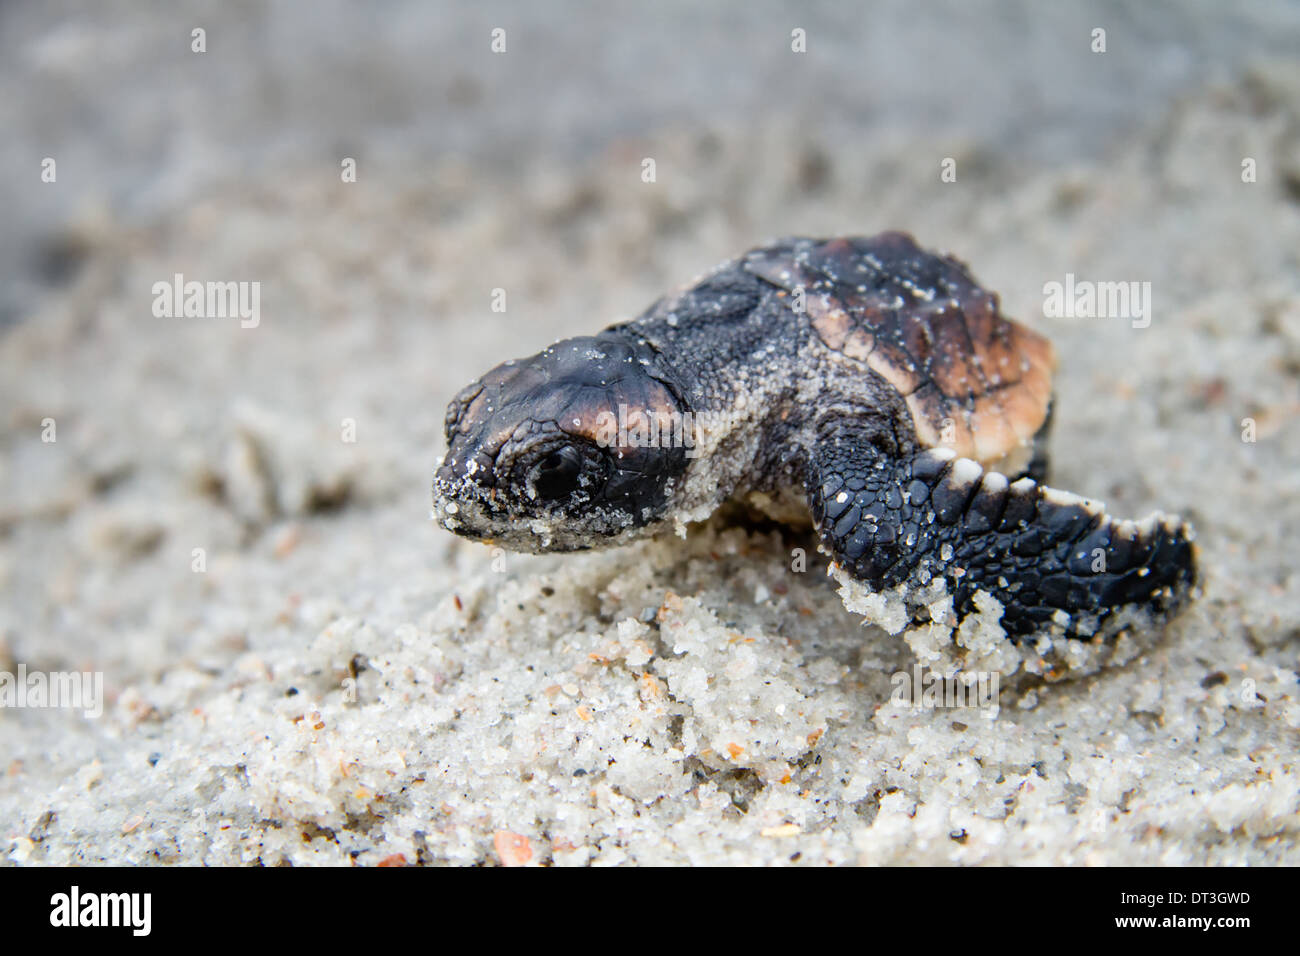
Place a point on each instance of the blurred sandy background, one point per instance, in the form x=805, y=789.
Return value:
x=346, y=683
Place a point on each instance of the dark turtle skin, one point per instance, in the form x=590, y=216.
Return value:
x=864, y=384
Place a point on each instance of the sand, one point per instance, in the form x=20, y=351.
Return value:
x=299, y=667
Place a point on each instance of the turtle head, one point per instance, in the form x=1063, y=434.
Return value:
x=579, y=446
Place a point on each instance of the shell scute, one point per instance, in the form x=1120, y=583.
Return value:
x=974, y=381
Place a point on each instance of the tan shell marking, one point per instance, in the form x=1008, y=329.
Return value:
x=973, y=380
x=831, y=322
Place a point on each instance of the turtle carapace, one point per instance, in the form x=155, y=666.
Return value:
x=865, y=385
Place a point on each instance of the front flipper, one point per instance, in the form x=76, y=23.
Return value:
x=1037, y=550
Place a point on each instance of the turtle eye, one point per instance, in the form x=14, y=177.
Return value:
x=558, y=473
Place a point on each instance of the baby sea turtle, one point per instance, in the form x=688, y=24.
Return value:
x=867, y=384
